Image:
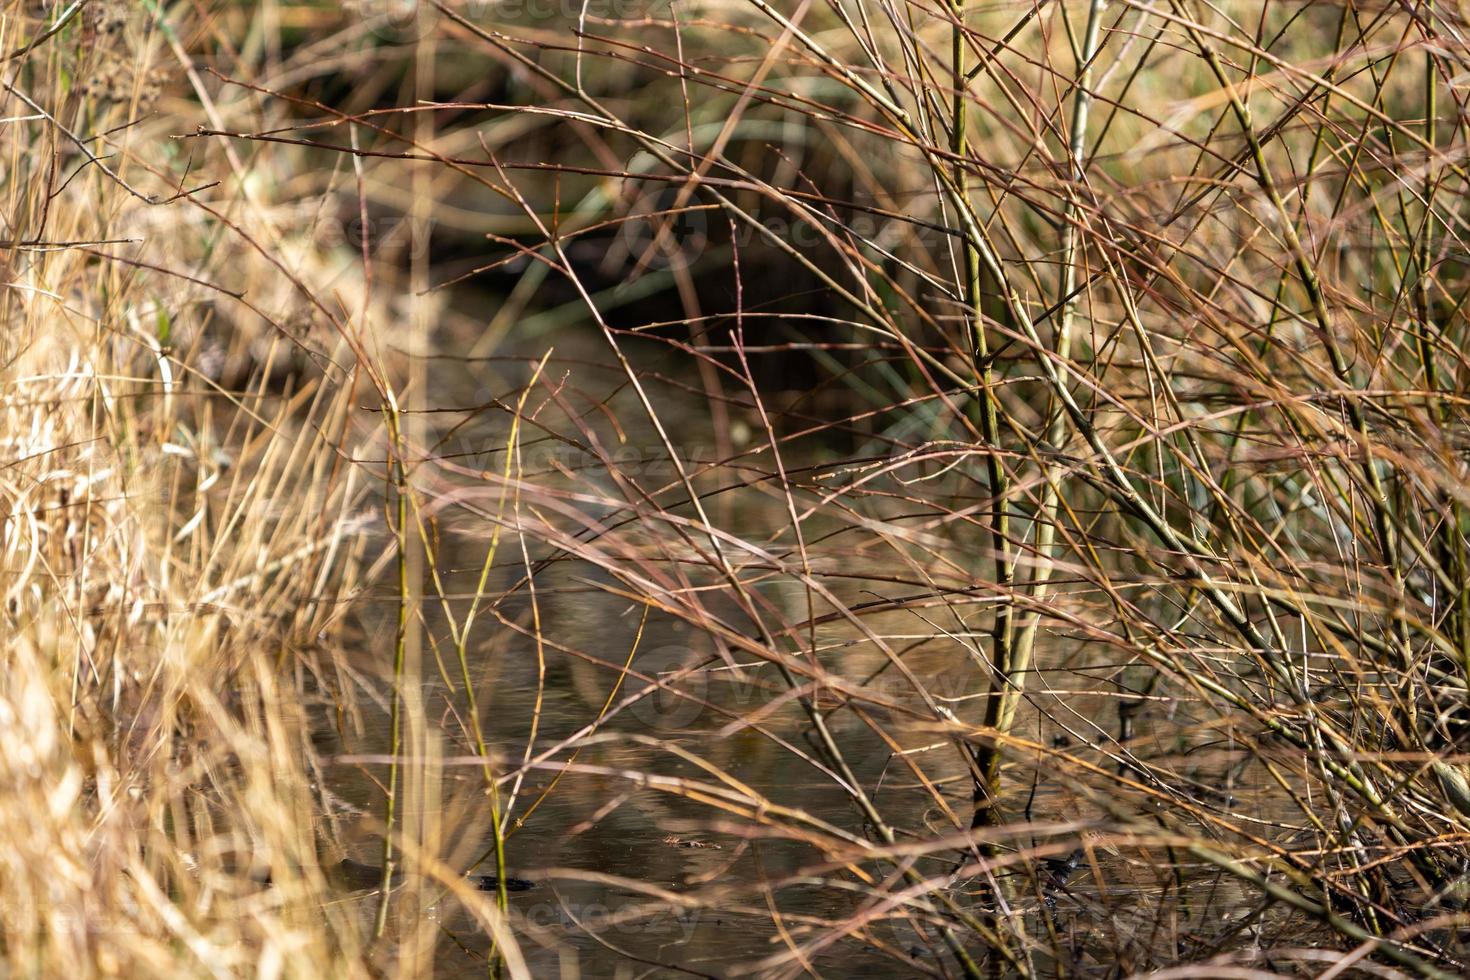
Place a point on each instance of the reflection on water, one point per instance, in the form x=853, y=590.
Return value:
x=642, y=864
x=598, y=820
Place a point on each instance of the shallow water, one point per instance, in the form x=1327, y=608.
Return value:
x=601, y=821
x=637, y=879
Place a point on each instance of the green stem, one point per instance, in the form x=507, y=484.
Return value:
x=1005, y=706
x=987, y=756
x=395, y=728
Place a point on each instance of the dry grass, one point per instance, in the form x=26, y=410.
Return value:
x=174, y=490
